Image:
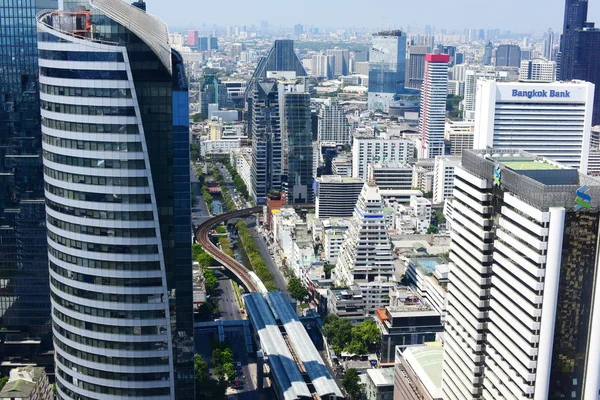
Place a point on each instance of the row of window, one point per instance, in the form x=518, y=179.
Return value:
x=110, y=329
x=96, y=180
x=99, y=214
x=93, y=146
x=102, y=231
x=104, y=280
x=102, y=248
x=83, y=74
x=93, y=56
x=119, y=376
x=107, y=265
x=113, y=391
x=94, y=162
x=87, y=110
x=107, y=313
x=99, y=197
x=107, y=297
x=123, y=129
x=107, y=344
x=85, y=92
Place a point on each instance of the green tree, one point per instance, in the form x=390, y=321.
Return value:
x=210, y=282
x=205, y=260
x=3, y=381
x=297, y=289
x=338, y=332
x=367, y=333
x=351, y=384
x=206, y=388
x=221, y=229
x=328, y=268
x=432, y=229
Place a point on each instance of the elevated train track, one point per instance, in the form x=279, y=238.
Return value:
x=243, y=274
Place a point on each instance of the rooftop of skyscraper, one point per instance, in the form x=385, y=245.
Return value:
x=389, y=33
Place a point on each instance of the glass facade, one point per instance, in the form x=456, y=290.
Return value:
x=387, y=68
x=24, y=299
x=298, y=181
x=576, y=295
x=116, y=165
x=266, y=139
x=281, y=57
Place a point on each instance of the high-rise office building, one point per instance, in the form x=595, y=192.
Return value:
x=298, y=30
x=574, y=21
x=207, y=43
x=114, y=107
x=508, y=55
x=538, y=70
x=580, y=49
x=336, y=196
x=487, y=54
x=415, y=69
x=341, y=58
x=522, y=316
x=297, y=146
x=281, y=57
x=320, y=66
x=25, y=296
x=266, y=139
x=365, y=257
x=333, y=124
x=471, y=78
x=367, y=149
x=549, y=46
x=547, y=119
x=387, y=69
x=432, y=116
x=192, y=38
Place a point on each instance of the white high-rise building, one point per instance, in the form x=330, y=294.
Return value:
x=333, y=125
x=523, y=313
x=538, y=70
x=320, y=66
x=432, y=117
x=547, y=119
x=366, y=255
x=443, y=177
x=471, y=77
x=367, y=149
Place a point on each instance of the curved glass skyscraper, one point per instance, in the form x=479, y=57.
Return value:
x=114, y=108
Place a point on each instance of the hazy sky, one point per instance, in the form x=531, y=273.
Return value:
x=516, y=15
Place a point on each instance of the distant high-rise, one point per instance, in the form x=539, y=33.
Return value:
x=549, y=46
x=387, y=69
x=320, y=66
x=574, y=21
x=470, y=99
x=281, y=57
x=341, y=58
x=508, y=55
x=432, y=115
x=266, y=139
x=192, y=38
x=297, y=146
x=538, y=70
x=416, y=66
x=487, y=54
x=115, y=123
x=333, y=125
x=25, y=294
x=208, y=43
x=587, y=64
x=298, y=30
x=522, y=316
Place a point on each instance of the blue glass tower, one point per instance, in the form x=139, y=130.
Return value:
x=25, y=298
x=387, y=69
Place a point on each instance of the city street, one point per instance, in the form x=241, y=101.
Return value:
x=228, y=304
x=199, y=210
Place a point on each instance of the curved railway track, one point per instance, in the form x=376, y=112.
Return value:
x=240, y=272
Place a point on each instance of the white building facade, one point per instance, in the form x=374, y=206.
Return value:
x=432, y=117
x=384, y=148
x=443, y=177
x=552, y=120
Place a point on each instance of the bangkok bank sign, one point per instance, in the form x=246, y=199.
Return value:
x=530, y=94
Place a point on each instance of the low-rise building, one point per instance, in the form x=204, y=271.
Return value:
x=334, y=230
x=27, y=383
x=429, y=278
x=347, y=303
x=380, y=384
x=419, y=372
x=342, y=165
x=392, y=175
x=241, y=160
x=459, y=135
x=412, y=322
x=414, y=217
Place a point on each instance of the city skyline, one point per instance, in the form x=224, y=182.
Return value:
x=447, y=15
